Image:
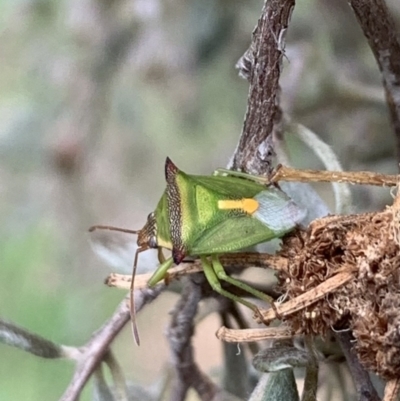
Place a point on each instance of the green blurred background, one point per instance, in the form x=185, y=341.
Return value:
x=94, y=94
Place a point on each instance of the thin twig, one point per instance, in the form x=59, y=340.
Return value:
x=379, y=28
x=312, y=369
x=263, y=62
x=179, y=335
x=93, y=352
x=364, y=388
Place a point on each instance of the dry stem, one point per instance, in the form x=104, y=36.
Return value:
x=306, y=299
x=284, y=173
x=249, y=335
x=392, y=390
x=232, y=260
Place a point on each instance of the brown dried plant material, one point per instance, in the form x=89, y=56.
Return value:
x=284, y=173
x=230, y=260
x=231, y=335
x=367, y=247
x=392, y=390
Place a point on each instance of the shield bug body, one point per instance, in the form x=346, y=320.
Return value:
x=205, y=216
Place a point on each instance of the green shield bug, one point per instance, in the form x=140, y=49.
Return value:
x=205, y=216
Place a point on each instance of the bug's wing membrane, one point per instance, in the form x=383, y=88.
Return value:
x=277, y=211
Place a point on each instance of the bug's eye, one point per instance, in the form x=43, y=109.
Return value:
x=153, y=242
x=151, y=231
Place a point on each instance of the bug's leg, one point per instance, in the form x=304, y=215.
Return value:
x=159, y=274
x=221, y=274
x=160, y=255
x=216, y=286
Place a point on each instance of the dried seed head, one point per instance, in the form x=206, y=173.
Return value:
x=368, y=246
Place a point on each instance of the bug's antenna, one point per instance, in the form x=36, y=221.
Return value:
x=112, y=228
x=131, y=294
x=132, y=298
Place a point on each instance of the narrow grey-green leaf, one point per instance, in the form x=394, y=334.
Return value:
x=236, y=376
x=276, y=386
x=101, y=390
x=18, y=337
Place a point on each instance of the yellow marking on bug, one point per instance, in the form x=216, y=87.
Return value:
x=163, y=243
x=248, y=205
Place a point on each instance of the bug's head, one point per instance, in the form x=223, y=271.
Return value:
x=147, y=236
